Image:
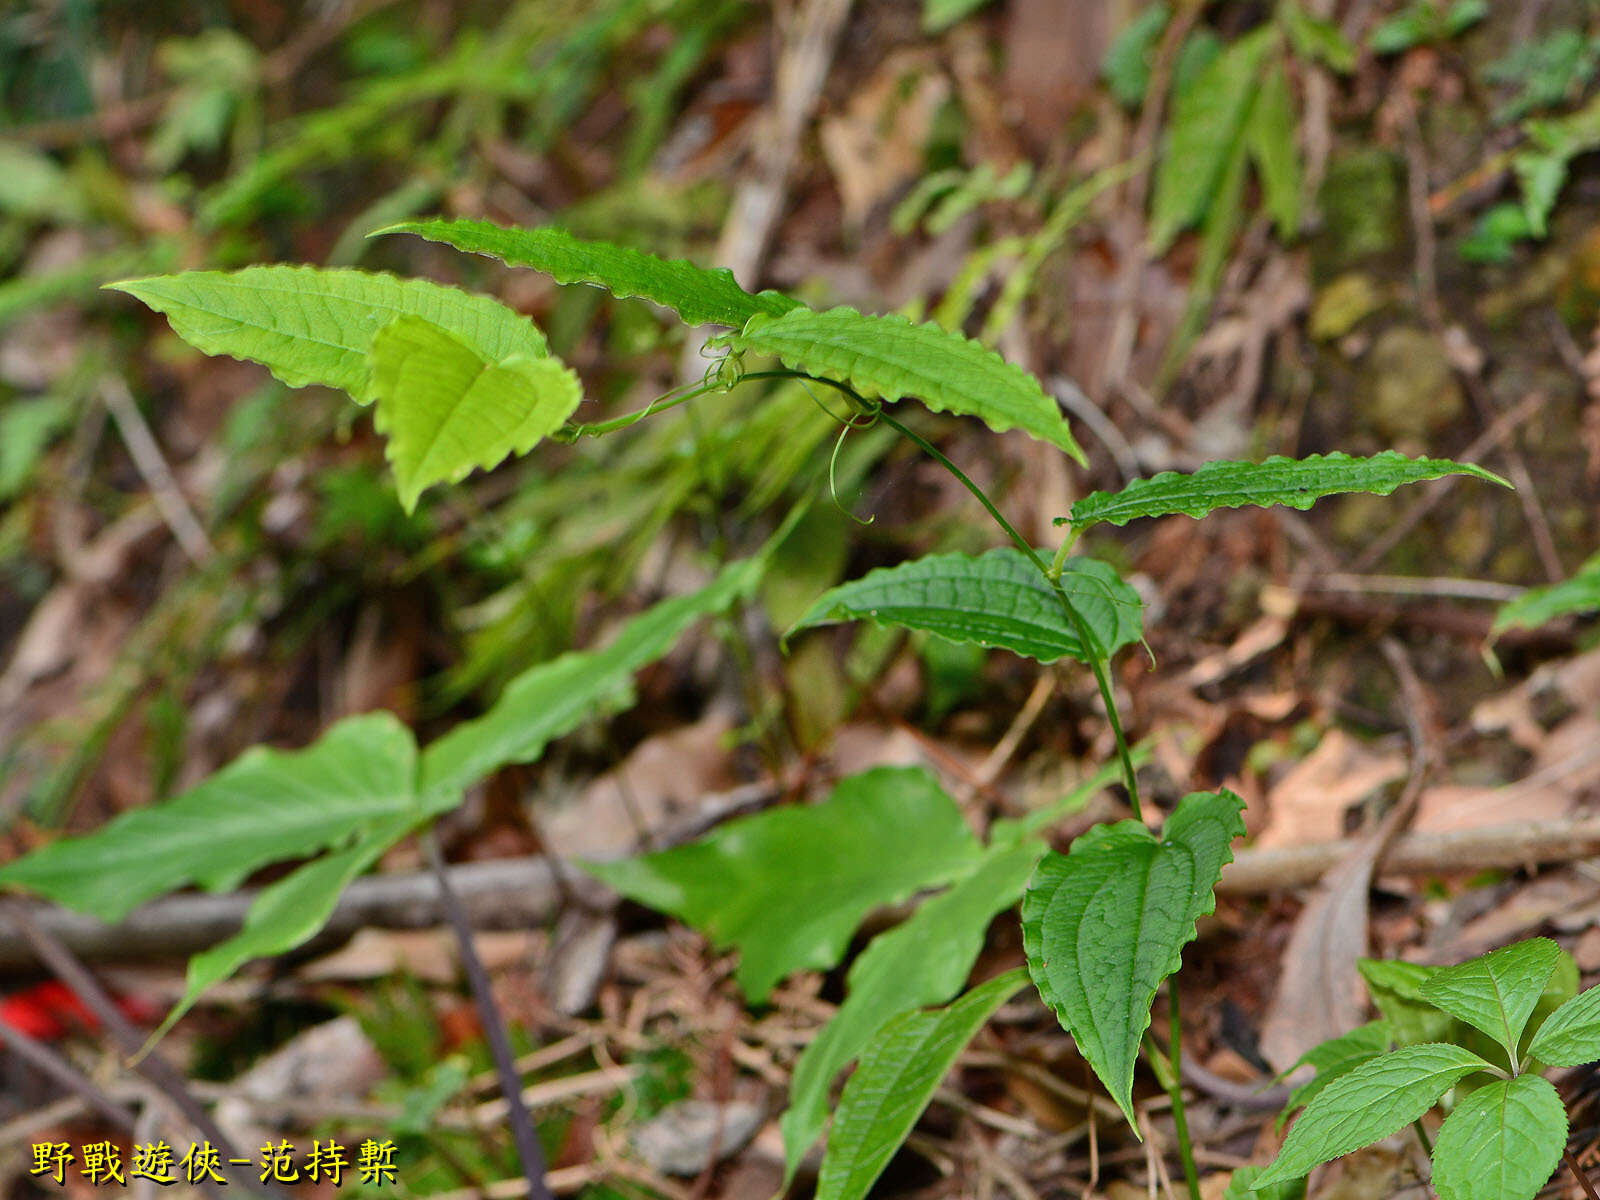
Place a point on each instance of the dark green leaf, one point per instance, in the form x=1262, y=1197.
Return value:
x=1126, y=65
x=891, y=358
x=1105, y=924
x=1271, y=136
x=995, y=599
x=1295, y=482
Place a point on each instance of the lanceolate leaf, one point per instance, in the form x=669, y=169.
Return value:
x=308, y=325
x=266, y=806
x=1298, y=483
x=1369, y=1103
x=1106, y=923
x=1208, y=119
x=995, y=599
x=896, y=1078
x=1396, y=989
x=790, y=887
x=1271, y=136
x=289, y=912
x=1578, y=594
x=555, y=697
x=446, y=409
x=1335, y=1057
x=1502, y=1142
x=891, y=358
x=922, y=961
x=1242, y=1186
x=699, y=296
x=1570, y=1037
x=1496, y=992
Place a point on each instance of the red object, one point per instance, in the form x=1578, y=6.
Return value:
x=49, y=1011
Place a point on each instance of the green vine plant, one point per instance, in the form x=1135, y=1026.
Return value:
x=1473, y=1040
x=458, y=382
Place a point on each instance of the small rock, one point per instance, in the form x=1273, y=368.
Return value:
x=683, y=1138
x=578, y=960
x=1343, y=304
x=1413, y=391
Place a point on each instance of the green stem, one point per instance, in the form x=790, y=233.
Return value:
x=1422, y=1136
x=1091, y=645
x=1180, y=1114
x=1059, y=564
x=571, y=433
x=1097, y=658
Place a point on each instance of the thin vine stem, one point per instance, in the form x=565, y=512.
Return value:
x=571, y=433
x=1086, y=638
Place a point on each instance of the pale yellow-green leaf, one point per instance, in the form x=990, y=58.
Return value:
x=446, y=409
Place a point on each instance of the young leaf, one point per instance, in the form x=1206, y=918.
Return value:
x=1125, y=67
x=308, y=325
x=1370, y=1103
x=896, y=1078
x=939, y=15
x=1396, y=989
x=790, y=887
x=1502, y=1142
x=889, y=357
x=1242, y=1186
x=1106, y=923
x=1570, y=1036
x=1578, y=594
x=922, y=961
x=1208, y=118
x=265, y=806
x=699, y=296
x=996, y=599
x=1317, y=39
x=554, y=698
x=289, y=912
x=1496, y=992
x=446, y=409
x=1335, y=1057
x=1296, y=482
x=1271, y=135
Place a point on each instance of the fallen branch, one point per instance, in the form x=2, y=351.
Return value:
x=1468, y=850
x=515, y=893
